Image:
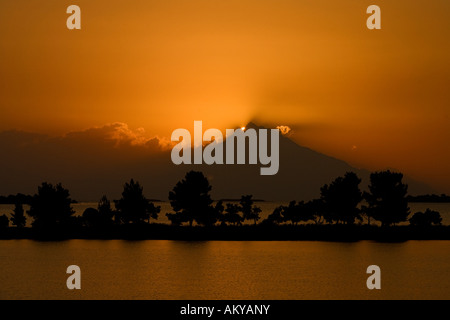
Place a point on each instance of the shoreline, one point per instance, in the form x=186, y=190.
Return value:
x=337, y=233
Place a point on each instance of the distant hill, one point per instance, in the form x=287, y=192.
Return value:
x=443, y=198
x=18, y=198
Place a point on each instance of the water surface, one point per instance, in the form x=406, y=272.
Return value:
x=154, y=269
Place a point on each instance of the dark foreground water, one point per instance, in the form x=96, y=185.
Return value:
x=118, y=269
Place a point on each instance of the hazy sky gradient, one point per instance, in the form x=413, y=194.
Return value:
x=375, y=99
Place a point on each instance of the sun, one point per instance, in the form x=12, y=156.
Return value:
x=243, y=128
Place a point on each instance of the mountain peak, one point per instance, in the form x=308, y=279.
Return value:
x=252, y=125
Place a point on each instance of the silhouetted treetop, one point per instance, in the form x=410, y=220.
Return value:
x=232, y=215
x=386, y=199
x=18, y=217
x=133, y=207
x=426, y=219
x=275, y=217
x=249, y=211
x=191, y=201
x=51, y=206
x=341, y=199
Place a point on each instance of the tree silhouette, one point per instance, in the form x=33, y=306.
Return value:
x=425, y=219
x=315, y=209
x=249, y=211
x=275, y=217
x=134, y=207
x=18, y=217
x=105, y=211
x=100, y=217
x=191, y=201
x=387, y=200
x=91, y=218
x=365, y=210
x=291, y=213
x=51, y=206
x=152, y=211
x=232, y=215
x=288, y=212
x=341, y=199
x=4, y=221
x=219, y=209
x=176, y=218
x=296, y=212
x=255, y=214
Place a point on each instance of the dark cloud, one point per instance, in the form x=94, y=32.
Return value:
x=86, y=161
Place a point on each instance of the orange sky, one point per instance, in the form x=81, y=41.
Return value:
x=375, y=99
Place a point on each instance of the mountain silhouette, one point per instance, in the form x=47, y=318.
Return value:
x=90, y=166
x=301, y=173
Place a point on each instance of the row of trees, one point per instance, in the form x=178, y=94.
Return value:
x=51, y=207
x=340, y=202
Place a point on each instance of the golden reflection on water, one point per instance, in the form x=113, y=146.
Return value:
x=116, y=269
